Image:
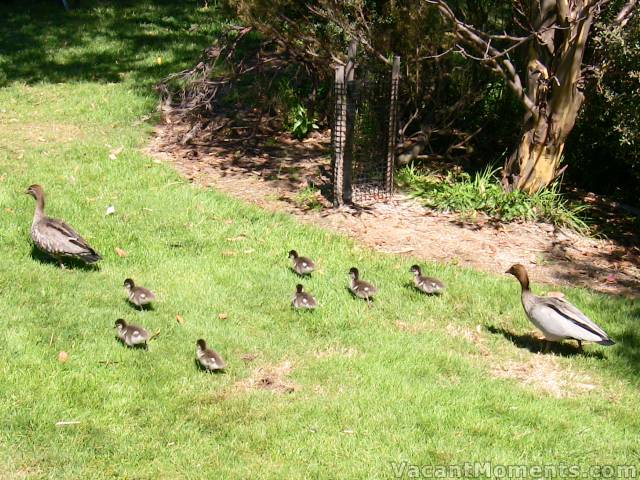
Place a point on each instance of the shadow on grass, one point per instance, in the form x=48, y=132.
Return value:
x=69, y=263
x=139, y=39
x=142, y=308
x=536, y=345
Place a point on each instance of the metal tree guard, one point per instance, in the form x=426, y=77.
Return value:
x=364, y=131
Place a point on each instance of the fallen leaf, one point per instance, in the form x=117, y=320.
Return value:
x=63, y=357
x=62, y=423
x=229, y=253
x=223, y=316
x=611, y=278
x=120, y=252
x=248, y=250
x=249, y=357
x=348, y=431
x=239, y=238
x=179, y=319
x=113, y=154
x=110, y=210
x=159, y=60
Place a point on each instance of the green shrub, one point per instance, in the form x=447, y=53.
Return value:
x=482, y=192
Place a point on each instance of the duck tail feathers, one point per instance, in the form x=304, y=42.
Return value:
x=606, y=342
x=91, y=257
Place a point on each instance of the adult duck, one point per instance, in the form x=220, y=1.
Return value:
x=555, y=317
x=55, y=237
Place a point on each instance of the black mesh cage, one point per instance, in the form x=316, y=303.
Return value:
x=365, y=132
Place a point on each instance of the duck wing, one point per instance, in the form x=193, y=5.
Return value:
x=430, y=283
x=144, y=294
x=64, y=240
x=214, y=361
x=576, y=324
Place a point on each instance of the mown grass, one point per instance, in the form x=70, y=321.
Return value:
x=367, y=392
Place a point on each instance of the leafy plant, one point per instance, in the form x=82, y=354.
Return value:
x=300, y=123
x=482, y=192
x=308, y=198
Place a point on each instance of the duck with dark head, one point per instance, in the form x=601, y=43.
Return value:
x=555, y=317
x=55, y=237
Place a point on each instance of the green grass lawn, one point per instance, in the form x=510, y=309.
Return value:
x=410, y=379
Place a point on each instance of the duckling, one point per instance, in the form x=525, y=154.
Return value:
x=360, y=288
x=428, y=285
x=56, y=238
x=301, y=265
x=209, y=359
x=555, y=317
x=303, y=299
x=131, y=335
x=139, y=296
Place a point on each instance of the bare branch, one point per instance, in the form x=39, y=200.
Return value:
x=625, y=13
x=497, y=60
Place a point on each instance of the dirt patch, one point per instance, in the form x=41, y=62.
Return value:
x=412, y=327
x=273, y=173
x=336, y=351
x=17, y=134
x=270, y=377
x=543, y=373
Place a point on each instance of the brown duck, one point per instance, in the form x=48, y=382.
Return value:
x=55, y=237
x=139, y=296
x=301, y=265
x=131, y=335
x=360, y=288
x=555, y=317
x=209, y=359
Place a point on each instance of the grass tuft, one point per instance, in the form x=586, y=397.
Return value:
x=482, y=192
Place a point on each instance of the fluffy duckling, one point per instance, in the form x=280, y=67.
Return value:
x=56, y=238
x=303, y=299
x=209, y=359
x=555, y=317
x=131, y=335
x=428, y=285
x=139, y=296
x=301, y=265
x=360, y=288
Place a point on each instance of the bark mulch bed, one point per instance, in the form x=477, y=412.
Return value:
x=272, y=171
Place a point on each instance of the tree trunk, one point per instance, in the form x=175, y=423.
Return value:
x=553, y=78
x=535, y=163
x=552, y=96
